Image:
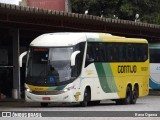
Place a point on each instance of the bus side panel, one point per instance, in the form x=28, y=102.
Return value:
x=89, y=78
x=102, y=85
x=108, y=88
x=131, y=73
x=111, y=79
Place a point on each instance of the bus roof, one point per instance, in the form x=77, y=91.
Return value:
x=70, y=39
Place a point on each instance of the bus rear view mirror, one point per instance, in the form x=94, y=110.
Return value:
x=21, y=57
x=73, y=57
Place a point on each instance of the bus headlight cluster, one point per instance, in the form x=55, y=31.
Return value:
x=28, y=90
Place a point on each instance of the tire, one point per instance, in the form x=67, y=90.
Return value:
x=44, y=104
x=86, y=98
x=134, y=95
x=127, y=99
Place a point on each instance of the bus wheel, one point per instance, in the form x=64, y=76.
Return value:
x=86, y=98
x=44, y=104
x=127, y=99
x=134, y=95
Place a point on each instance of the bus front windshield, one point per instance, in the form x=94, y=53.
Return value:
x=49, y=65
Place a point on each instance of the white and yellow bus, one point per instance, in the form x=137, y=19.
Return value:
x=90, y=67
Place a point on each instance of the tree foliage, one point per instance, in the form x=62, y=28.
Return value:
x=148, y=10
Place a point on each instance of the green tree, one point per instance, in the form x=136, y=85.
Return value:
x=148, y=10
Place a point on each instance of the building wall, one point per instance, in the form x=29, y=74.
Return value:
x=48, y=4
x=59, y=5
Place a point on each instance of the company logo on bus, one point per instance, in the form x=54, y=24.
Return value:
x=127, y=69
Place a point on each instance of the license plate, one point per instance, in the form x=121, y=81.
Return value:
x=46, y=98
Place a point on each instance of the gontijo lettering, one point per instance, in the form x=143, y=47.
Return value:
x=127, y=69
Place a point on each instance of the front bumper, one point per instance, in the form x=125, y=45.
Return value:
x=63, y=97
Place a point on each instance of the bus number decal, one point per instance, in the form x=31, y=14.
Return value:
x=144, y=68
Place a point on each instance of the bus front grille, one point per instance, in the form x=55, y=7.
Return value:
x=47, y=92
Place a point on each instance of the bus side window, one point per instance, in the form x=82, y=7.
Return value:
x=138, y=54
x=109, y=51
x=116, y=53
x=134, y=56
x=113, y=52
x=130, y=52
x=122, y=53
x=100, y=52
x=90, y=54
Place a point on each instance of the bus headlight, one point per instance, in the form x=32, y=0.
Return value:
x=28, y=90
